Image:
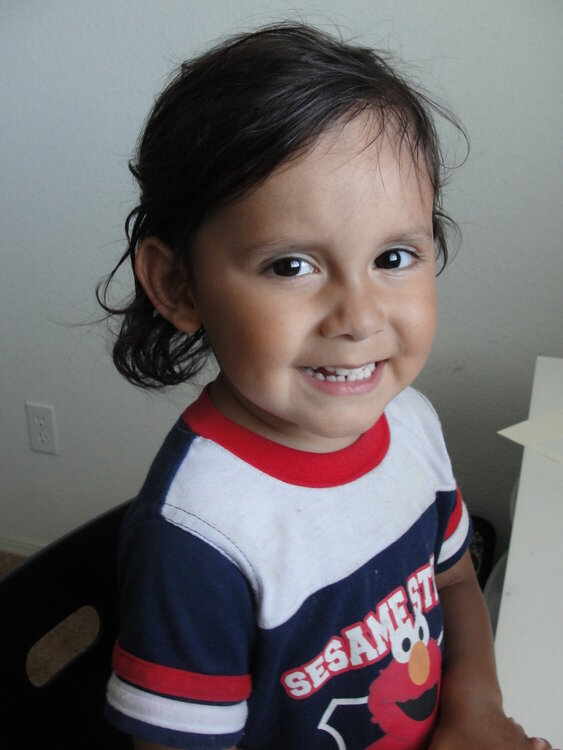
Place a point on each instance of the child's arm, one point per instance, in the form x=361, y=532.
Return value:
x=471, y=713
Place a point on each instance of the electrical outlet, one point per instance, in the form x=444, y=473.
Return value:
x=42, y=427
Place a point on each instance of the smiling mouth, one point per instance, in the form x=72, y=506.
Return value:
x=341, y=374
x=422, y=707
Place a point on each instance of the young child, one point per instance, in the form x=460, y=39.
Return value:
x=294, y=572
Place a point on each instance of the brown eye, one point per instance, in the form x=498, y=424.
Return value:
x=395, y=258
x=291, y=267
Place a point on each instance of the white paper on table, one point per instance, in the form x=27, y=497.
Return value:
x=543, y=434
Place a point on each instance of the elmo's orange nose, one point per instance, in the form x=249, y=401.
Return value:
x=419, y=664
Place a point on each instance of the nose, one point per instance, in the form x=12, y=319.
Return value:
x=353, y=310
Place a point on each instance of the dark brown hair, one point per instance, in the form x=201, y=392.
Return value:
x=226, y=120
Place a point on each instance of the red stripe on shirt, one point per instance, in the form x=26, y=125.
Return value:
x=293, y=466
x=179, y=682
x=455, y=517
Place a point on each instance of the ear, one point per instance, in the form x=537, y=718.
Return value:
x=166, y=285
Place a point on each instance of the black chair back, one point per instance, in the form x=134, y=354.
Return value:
x=78, y=570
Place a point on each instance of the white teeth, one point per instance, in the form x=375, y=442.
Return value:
x=342, y=374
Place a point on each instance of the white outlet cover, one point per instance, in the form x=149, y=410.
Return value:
x=42, y=427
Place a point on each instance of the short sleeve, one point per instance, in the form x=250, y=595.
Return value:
x=454, y=529
x=181, y=663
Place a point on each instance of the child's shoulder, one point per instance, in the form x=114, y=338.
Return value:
x=412, y=412
x=412, y=405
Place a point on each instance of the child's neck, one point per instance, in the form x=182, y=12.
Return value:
x=238, y=409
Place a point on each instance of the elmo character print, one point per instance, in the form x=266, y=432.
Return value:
x=403, y=700
x=399, y=711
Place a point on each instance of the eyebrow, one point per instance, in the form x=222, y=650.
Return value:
x=287, y=245
x=267, y=248
x=416, y=234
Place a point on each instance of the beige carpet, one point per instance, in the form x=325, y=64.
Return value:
x=8, y=560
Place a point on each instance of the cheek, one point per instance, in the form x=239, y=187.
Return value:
x=419, y=320
x=246, y=335
x=429, y=319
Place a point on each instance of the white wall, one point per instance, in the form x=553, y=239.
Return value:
x=77, y=79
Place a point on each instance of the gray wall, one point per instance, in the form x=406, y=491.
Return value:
x=77, y=79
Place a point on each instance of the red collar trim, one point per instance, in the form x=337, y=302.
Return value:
x=287, y=464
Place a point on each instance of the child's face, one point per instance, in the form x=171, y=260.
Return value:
x=327, y=266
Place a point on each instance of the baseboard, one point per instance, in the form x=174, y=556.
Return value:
x=19, y=546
